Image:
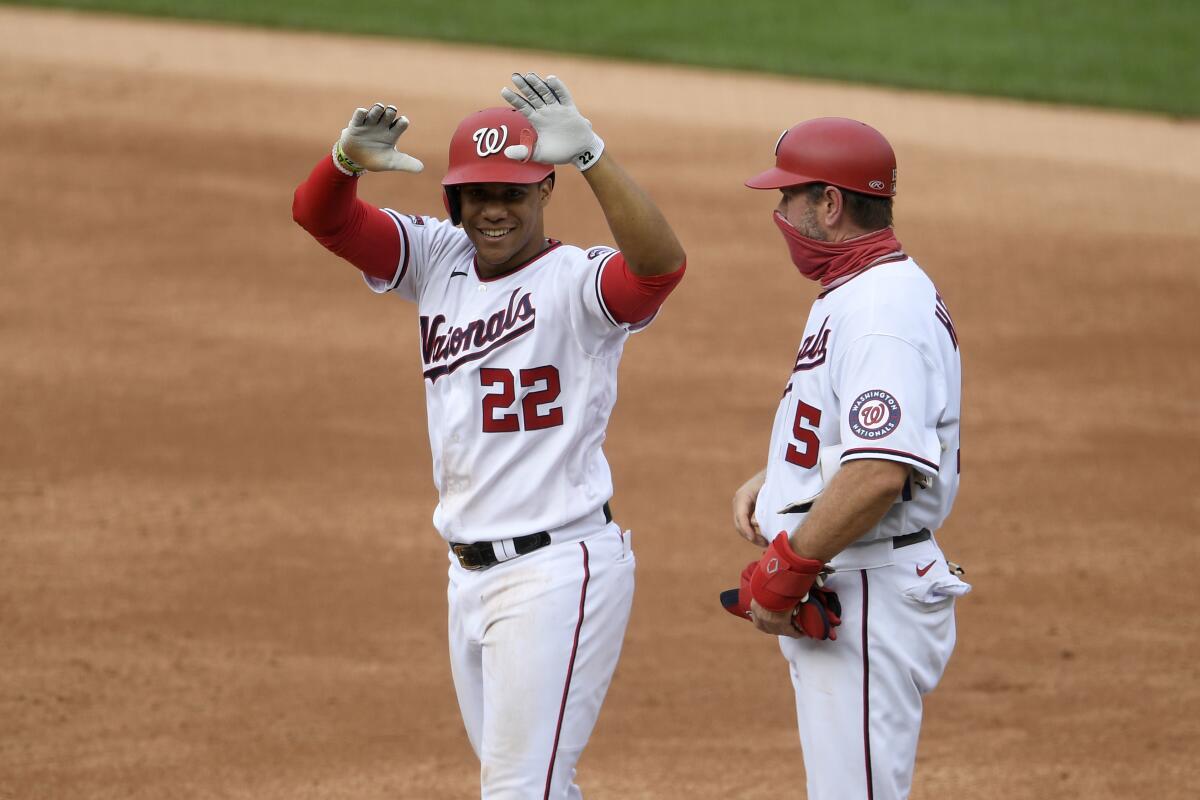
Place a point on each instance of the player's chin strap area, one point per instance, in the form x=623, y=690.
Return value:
x=481, y=555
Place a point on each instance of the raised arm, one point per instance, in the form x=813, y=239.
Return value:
x=646, y=241
x=641, y=232
x=327, y=204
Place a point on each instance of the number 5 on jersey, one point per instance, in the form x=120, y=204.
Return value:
x=544, y=381
x=810, y=452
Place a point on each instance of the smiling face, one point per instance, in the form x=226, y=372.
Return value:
x=504, y=222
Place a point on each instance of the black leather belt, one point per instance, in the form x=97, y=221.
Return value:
x=922, y=535
x=481, y=555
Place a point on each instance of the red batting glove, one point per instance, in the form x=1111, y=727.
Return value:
x=818, y=615
x=783, y=578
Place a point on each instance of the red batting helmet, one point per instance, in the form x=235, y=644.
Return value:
x=477, y=154
x=843, y=152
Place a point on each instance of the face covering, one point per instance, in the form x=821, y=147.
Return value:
x=827, y=262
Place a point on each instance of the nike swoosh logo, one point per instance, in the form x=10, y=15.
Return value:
x=922, y=570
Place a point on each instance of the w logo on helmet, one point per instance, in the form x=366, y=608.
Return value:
x=477, y=147
x=489, y=141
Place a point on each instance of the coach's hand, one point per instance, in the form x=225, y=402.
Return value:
x=368, y=142
x=777, y=623
x=816, y=617
x=744, y=501
x=564, y=136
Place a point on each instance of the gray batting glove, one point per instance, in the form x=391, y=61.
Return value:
x=564, y=136
x=368, y=143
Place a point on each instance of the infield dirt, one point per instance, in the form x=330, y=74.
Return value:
x=219, y=573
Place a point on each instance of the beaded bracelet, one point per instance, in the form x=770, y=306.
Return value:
x=344, y=163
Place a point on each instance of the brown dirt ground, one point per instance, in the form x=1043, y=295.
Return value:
x=219, y=575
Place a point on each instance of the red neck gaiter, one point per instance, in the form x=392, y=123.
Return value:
x=828, y=261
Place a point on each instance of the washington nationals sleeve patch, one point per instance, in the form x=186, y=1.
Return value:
x=874, y=414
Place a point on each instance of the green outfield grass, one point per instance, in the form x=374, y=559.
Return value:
x=1138, y=54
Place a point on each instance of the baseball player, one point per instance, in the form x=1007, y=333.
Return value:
x=862, y=469
x=520, y=336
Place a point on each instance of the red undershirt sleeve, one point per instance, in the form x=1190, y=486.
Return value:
x=327, y=206
x=633, y=298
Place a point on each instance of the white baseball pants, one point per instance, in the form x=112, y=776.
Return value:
x=859, y=698
x=533, y=645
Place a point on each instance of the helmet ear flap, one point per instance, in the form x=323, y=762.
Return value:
x=451, y=202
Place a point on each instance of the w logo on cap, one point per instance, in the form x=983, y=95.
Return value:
x=489, y=141
x=477, y=150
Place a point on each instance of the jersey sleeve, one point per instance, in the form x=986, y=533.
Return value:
x=889, y=402
x=597, y=321
x=630, y=298
x=425, y=243
x=395, y=252
x=327, y=205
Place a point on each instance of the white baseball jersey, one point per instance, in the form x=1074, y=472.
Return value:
x=520, y=379
x=877, y=376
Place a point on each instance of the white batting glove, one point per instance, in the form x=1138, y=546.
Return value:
x=368, y=143
x=564, y=136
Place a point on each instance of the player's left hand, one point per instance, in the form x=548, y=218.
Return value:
x=564, y=136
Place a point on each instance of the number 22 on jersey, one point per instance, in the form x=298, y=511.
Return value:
x=530, y=416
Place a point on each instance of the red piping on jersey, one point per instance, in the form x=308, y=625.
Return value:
x=551, y=244
x=943, y=315
x=399, y=276
x=880, y=263
x=628, y=297
x=596, y=284
x=866, y=688
x=885, y=451
x=562, y=709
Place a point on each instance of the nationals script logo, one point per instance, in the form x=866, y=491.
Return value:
x=489, y=141
x=445, y=350
x=813, y=349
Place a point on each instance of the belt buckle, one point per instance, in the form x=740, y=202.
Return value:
x=463, y=553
